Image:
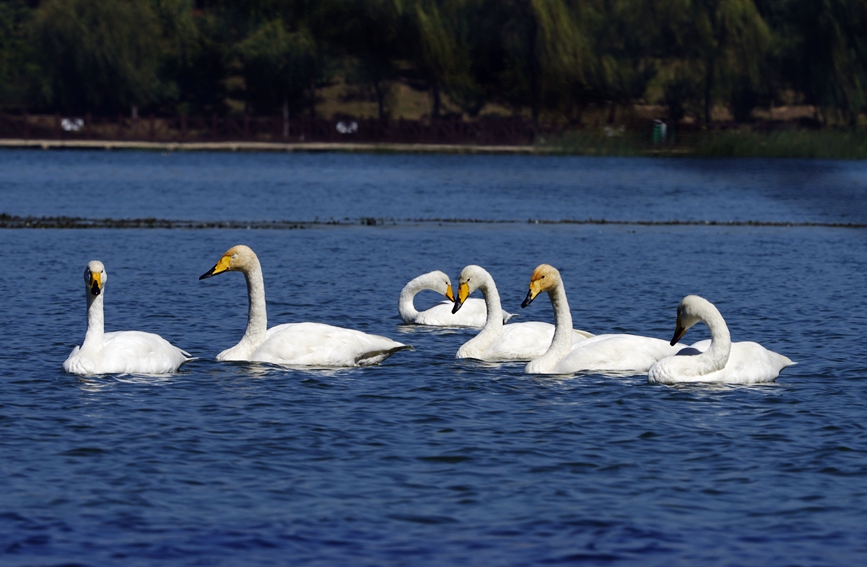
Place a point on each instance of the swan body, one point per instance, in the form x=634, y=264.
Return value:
x=472, y=314
x=498, y=342
x=294, y=344
x=610, y=353
x=721, y=361
x=118, y=352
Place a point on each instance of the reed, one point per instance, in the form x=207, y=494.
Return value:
x=819, y=144
x=815, y=144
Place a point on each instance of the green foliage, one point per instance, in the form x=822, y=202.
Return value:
x=371, y=36
x=13, y=52
x=830, y=60
x=598, y=143
x=194, y=58
x=279, y=67
x=821, y=144
x=549, y=59
x=95, y=54
x=681, y=92
x=824, y=144
x=442, y=54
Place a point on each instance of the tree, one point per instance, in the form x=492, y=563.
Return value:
x=442, y=54
x=195, y=46
x=829, y=63
x=96, y=54
x=372, y=36
x=13, y=20
x=726, y=39
x=547, y=52
x=279, y=68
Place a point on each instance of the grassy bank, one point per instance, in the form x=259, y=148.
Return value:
x=820, y=144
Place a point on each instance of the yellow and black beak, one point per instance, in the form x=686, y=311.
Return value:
x=679, y=331
x=95, y=283
x=463, y=293
x=449, y=294
x=221, y=267
x=535, y=289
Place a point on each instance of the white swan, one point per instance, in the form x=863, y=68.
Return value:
x=294, y=344
x=610, y=354
x=498, y=342
x=472, y=314
x=723, y=361
x=119, y=352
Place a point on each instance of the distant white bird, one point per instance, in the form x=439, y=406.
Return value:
x=294, y=344
x=498, y=342
x=609, y=353
x=472, y=314
x=723, y=361
x=119, y=352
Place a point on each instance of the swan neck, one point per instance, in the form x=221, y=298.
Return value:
x=561, y=344
x=489, y=291
x=493, y=324
x=720, y=340
x=95, y=321
x=562, y=319
x=257, y=316
x=405, y=305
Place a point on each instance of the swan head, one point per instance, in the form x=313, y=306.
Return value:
x=545, y=277
x=472, y=278
x=689, y=312
x=236, y=258
x=94, y=277
x=442, y=284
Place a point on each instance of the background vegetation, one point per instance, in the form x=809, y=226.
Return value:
x=556, y=60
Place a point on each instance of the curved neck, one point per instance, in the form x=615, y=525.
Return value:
x=95, y=321
x=562, y=319
x=405, y=305
x=717, y=355
x=493, y=324
x=257, y=316
x=561, y=345
x=489, y=291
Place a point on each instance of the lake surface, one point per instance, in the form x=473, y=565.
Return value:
x=425, y=459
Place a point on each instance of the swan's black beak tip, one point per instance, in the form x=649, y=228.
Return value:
x=94, y=290
x=527, y=300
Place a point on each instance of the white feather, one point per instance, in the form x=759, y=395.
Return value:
x=295, y=344
x=119, y=352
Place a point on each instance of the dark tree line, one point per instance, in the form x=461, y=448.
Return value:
x=550, y=59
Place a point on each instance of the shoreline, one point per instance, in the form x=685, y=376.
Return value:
x=289, y=147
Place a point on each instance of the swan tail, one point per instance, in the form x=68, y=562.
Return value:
x=374, y=357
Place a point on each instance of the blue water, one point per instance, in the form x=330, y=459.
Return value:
x=424, y=459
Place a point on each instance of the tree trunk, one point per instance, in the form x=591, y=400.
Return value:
x=285, y=118
x=535, y=65
x=312, y=98
x=436, y=102
x=708, y=91
x=380, y=99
